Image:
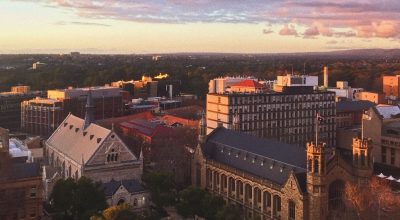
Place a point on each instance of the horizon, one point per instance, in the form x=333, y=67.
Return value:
x=196, y=26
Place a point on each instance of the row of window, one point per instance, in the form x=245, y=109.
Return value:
x=266, y=98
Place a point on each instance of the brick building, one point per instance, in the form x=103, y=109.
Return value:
x=20, y=185
x=274, y=180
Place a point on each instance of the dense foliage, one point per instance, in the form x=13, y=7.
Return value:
x=361, y=68
x=80, y=199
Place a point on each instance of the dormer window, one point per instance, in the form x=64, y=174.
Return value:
x=112, y=156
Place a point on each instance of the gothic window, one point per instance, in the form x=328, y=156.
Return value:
x=112, y=156
x=277, y=204
x=135, y=202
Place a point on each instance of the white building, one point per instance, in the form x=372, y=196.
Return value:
x=220, y=85
x=343, y=90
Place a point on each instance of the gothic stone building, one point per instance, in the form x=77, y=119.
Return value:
x=275, y=180
x=79, y=147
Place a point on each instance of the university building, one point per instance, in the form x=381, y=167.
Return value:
x=275, y=180
x=286, y=113
x=382, y=124
x=79, y=147
x=20, y=184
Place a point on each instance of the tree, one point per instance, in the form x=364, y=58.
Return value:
x=118, y=212
x=161, y=187
x=230, y=212
x=194, y=202
x=80, y=199
x=373, y=200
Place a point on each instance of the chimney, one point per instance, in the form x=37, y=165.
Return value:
x=326, y=76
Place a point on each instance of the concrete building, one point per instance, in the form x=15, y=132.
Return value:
x=10, y=106
x=377, y=98
x=42, y=116
x=273, y=180
x=20, y=184
x=288, y=114
x=79, y=147
x=344, y=91
x=382, y=125
x=391, y=86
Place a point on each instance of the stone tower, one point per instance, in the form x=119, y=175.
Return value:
x=362, y=159
x=316, y=175
x=89, y=115
x=198, y=164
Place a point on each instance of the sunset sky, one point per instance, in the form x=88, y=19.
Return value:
x=164, y=26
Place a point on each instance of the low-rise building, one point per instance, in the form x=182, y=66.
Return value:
x=377, y=98
x=382, y=125
x=20, y=183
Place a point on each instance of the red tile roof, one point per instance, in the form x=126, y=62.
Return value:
x=248, y=83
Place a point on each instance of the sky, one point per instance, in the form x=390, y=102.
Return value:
x=169, y=26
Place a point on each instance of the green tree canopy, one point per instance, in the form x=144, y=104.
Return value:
x=72, y=199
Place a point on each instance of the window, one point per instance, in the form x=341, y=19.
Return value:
x=383, y=153
x=392, y=156
x=292, y=210
x=112, y=156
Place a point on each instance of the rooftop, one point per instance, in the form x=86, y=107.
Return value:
x=350, y=106
x=248, y=83
x=131, y=185
x=266, y=158
x=388, y=111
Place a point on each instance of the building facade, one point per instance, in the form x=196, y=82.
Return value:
x=382, y=125
x=41, y=116
x=288, y=116
x=273, y=180
x=391, y=86
x=10, y=106
x=20, y=185
x=377, y=98
x=79, y=147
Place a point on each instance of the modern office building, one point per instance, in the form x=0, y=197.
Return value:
x=10, y=106
x=41, y=116
x=287, y=113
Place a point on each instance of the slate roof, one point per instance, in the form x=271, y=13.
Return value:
x=132, y=185
x=265, y=158
x=77, y=143
x=22, y=170
x=352, y=106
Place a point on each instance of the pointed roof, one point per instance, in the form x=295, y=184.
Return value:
x=89, y=116
x=248, y=83
x=75, y=142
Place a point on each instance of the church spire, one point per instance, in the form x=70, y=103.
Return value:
x=89, y=116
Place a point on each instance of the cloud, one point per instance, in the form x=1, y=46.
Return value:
x=288, y=30
x=360, y=18
x=81, y=23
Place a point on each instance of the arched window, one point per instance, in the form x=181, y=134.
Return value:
x=277, y=205
x=121, y=201
x=135, y=202
x=309, y=165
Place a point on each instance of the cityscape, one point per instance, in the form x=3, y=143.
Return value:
x=204, y=110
